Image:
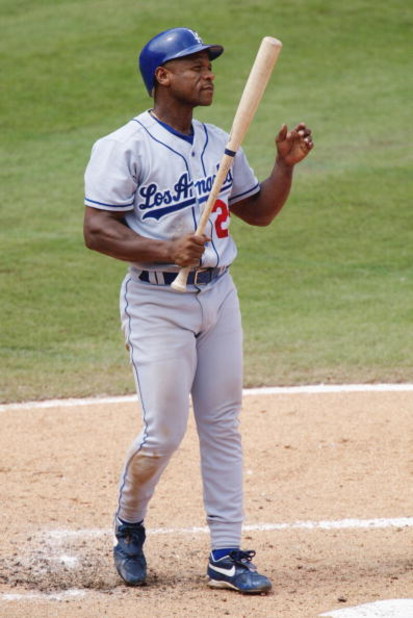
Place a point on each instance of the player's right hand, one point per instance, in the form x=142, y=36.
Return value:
x=187, y=250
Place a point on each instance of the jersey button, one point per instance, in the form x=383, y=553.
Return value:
x=192, y=153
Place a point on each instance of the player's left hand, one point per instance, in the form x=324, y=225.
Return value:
x=293, y=146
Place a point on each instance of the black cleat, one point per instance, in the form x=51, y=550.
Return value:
x=128, y=554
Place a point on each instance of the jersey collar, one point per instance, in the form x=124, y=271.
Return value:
x=187, y=138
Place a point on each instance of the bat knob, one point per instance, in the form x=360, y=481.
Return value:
x=179, y=284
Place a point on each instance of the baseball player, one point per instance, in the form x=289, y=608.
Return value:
x=146, y=184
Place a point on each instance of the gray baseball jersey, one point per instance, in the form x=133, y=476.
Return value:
x=161, y=179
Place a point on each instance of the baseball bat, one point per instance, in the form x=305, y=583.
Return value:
x=257, y=81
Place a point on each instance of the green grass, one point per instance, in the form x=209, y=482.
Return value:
x=326, y=291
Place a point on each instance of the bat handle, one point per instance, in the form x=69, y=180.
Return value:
x=179, y=283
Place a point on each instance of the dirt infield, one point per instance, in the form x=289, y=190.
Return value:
x=328, y=509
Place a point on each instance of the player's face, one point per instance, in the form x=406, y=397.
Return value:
x=191, y=79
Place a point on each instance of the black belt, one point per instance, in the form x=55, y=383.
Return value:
x=201, y=276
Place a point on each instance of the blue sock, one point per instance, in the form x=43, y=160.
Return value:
x=217, y=554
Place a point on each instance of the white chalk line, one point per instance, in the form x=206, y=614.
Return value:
x=390, y=608
x=44, y=596
x=267, y=390
x=341, y=524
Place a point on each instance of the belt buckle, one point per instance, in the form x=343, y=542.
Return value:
x=198, y=272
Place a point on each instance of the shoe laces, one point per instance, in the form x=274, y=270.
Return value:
x=243, y=558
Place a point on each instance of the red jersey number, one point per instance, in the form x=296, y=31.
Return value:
x=221, y=222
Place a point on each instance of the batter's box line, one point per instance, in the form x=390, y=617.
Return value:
x=65, y=595
x=341, y=524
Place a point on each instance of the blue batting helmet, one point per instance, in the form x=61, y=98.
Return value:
x=169, y=45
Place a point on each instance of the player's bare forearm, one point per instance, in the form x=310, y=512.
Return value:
x=105, y=232
x=261, y=208
x=292, y=147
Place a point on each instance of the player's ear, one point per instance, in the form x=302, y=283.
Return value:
x=162, y=76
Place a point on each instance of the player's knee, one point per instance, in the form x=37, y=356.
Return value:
x=164, y=444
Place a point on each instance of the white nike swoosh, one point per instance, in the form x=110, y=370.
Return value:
x=228, y=572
